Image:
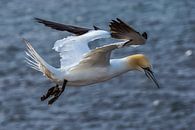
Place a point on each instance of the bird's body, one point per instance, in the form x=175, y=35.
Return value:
x=82, y=74
x=81, y=66
x=85, y=76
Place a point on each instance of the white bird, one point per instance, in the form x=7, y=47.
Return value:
x=81, y=66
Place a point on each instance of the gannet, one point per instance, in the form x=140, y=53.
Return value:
x=81, y=66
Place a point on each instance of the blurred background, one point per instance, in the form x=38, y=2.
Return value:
x=128, y=102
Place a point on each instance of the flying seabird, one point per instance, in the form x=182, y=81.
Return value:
x=81, y=66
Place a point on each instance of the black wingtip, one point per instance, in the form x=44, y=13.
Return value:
x=36, y=19
x=145, y=35
x=119, y=20
x=120, y=29
x=113, y=21
x=96, y=28
x=39, y=20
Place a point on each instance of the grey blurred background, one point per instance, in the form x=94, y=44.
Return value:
x=128, y=102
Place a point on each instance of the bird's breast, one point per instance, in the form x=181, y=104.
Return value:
x=92, y=75
x=88, y=76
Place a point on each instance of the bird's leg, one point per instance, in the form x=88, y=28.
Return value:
x=50, y=92
x=57, y=94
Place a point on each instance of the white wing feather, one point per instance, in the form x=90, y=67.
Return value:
x=99, y=56
x=73, y=48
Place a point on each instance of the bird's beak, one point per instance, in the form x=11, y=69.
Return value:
x=150, y=75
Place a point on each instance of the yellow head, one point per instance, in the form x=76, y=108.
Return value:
x=141, y=63
x=138, y=62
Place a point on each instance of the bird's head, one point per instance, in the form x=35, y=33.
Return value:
x=141, y=62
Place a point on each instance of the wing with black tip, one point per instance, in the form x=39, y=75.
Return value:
x=121, y=30
x=63, y=27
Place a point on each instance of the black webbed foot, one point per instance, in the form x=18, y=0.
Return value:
x=58, y=93
x=51, y=101
x=50, y=92
x=54, y=92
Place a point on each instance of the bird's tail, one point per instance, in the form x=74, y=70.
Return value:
x=36, y=62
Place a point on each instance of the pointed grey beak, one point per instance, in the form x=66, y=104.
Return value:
x=150, y=75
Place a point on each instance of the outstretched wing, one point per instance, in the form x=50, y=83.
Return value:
x=63, y=27
x=100, y=56
x=120, y=30
x=73, y=48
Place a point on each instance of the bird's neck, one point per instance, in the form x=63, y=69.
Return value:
x=119, y=66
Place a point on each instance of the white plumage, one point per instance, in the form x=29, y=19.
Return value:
x=79, y=65
x=73, y=48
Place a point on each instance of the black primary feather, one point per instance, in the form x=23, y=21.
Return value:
x=63, y=27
